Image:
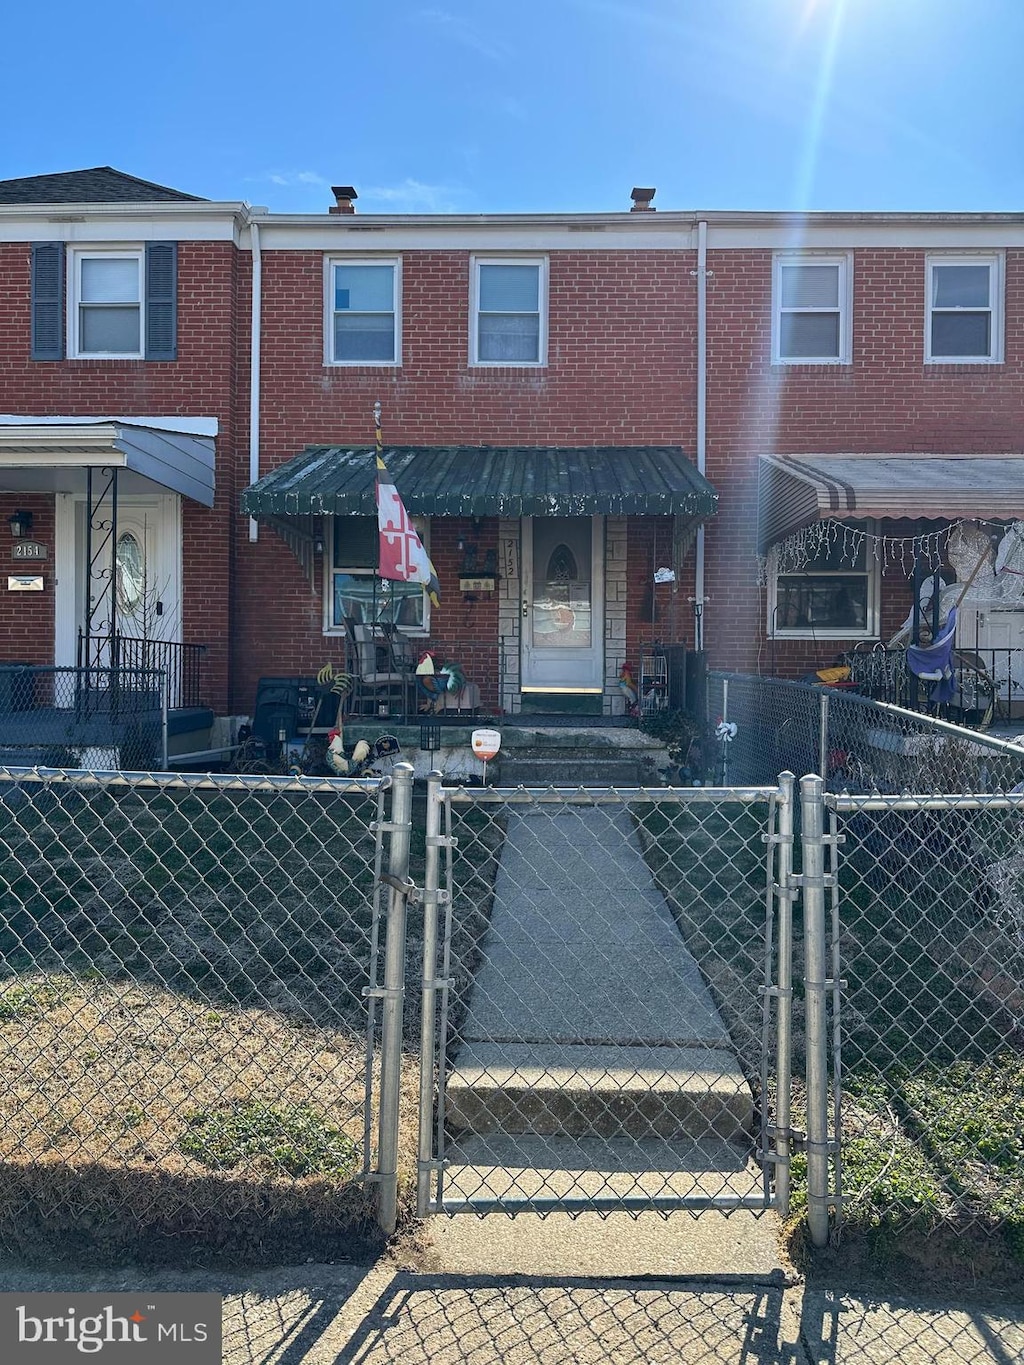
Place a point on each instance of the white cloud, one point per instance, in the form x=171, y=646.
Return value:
x=412, y=196
x=459, y=30
x=290, y=178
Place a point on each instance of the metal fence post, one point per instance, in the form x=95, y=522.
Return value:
x=823, y=737
x=784, y=984
x=400, y=826
x=164, y=684
x=428, y=1003
x=812, y=880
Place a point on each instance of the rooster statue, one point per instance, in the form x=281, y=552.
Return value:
x=628, y=688
x=337, y=760
x=433, y=681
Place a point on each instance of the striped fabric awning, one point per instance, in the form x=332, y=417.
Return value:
x=796, y=490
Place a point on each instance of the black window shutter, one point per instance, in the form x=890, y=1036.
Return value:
x=161, y=300
x=47, y=301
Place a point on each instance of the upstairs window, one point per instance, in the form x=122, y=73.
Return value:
x=833, y=596
x=508, y=317
x=811, y=310
x=363, y=313
x=964, y=322
x=104, y=303
x=106, y=319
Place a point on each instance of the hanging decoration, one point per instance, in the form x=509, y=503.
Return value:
x=846, y=542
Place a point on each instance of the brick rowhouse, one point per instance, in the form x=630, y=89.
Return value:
x=621, y=371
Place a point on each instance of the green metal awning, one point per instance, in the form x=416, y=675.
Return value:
x=478, y=481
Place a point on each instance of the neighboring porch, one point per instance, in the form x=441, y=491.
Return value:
x=900, y=576
x=95, y=668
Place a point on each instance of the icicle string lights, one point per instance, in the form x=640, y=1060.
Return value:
x=840, y=539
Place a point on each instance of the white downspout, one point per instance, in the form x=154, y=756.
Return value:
x=254, y=367
x=702, y=397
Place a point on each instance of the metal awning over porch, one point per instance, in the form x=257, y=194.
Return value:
x=52, y=454
x=796, y=490
x=478, y=481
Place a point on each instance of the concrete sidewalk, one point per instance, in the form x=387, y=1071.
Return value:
x=593, y=1061
x=333, y=1315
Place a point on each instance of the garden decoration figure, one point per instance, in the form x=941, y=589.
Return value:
x=628, y=688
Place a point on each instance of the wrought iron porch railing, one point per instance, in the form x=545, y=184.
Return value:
x=180, y=664
x=990, y=682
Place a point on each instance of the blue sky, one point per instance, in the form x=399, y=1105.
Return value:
x=529, y=105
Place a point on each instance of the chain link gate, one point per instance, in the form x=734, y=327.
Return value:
x=606, y=1000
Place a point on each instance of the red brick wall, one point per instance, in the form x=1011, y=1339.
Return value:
x=620, y=372
x=26, y=618
x=886, y=400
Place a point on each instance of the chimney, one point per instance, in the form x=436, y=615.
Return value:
x=642, y=200
x=343, y=195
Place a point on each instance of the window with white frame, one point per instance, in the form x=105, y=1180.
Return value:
x=832, y=596
x=964, y=321
x=509, y=322
x=105, y=305
x=355, y=591
x=363, y=312
x=811, y=310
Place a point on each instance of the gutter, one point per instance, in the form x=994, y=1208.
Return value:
x=701, y=434
x=254, y=366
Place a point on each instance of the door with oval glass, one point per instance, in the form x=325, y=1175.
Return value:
x=563, y=605
x=133, y=582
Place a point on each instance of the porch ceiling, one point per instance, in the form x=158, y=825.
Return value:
x=51, y=455
x=795, y=490
x=508, y=481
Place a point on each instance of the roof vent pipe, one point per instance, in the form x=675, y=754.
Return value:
x=343, y=196
x=642, y=200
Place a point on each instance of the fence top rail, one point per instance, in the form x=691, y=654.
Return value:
x=845, y=804
x=237, y=782
x=89, y=671
x=608, y=796
x=883, y=708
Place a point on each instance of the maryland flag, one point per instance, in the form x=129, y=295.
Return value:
x=402, y=555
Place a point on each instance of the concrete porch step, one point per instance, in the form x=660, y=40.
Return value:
x=637, y=1093
x=522, y=1168
x=575, y=768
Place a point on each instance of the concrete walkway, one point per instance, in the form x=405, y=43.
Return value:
x=403, y=1312
x=593, y=1062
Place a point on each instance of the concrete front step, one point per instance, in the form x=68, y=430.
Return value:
x=527, y=1168
x=576, y=768
x=635, y=1093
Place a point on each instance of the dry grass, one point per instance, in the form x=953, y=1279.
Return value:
x=101, y=1087
x=182, y=1024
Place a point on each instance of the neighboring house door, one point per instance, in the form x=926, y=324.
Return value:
x=563, y=604
x=143, y=558
x=998, y=638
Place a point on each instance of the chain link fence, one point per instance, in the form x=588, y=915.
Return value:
x=187, y=1053
x=98, y=718
x=855, y=744
x=911, y=936
x=925, y=922
x=601, y=1015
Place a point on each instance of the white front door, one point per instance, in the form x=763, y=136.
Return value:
x=998, y=639
x=563, y=604
x=138, y=567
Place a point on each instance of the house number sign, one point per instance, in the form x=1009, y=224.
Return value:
x=29, y=549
